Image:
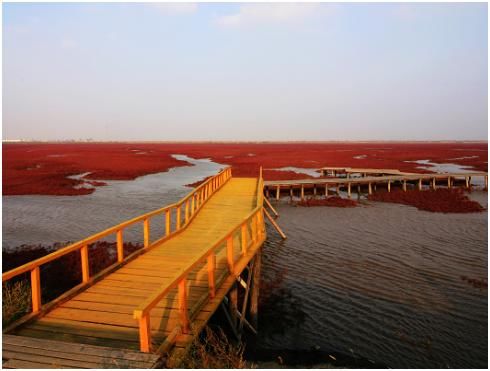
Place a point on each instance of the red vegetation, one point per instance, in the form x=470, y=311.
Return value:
x=330, y=201
x=441, y=200
x=42, y=168
x=64, y=273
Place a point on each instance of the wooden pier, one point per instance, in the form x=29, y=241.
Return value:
x=368, y=180
x=154, y=302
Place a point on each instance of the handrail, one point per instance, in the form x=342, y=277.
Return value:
x=199, y=196
x=142, y=313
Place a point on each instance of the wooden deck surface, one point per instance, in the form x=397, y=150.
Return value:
x=372, y=179
x=102, y=315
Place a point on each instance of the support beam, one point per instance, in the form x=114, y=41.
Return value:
x=276, y=226
x=348, y=190
x=278, y=192
x=404, y=186
x=326, y=190
x=420, y=184
x=302, y=192
x=370, y=188
x=433, y=183
x=449, y=182
x=267, y=202
x=389, y=185
x=254, y=295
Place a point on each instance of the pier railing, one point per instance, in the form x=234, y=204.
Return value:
x=181, y=212
x=254, y=221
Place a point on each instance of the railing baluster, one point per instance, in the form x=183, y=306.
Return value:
x=186, y=211
x=244, y=238
x=254, y=228
x=193, y=204
x=167, y=222
x=179, y=210
x=120, y=246
x=146, y=232
x=184, y=315
x=229, y=253
x=85, y=266
x=145, y=333
x=36, y=290
x=211, y=280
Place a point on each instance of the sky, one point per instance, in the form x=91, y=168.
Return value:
x=245, y=72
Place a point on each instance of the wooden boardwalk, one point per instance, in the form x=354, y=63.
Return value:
x=156, y=301
x=370, y=182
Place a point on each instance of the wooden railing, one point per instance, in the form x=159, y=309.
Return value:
x=182, y=212
x=255, y=220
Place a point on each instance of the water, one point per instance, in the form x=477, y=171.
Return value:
x=300, y=170
x=50, y=219
x=379, y=281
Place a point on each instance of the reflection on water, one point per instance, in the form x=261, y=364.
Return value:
x=49, y=219
x=380, y=281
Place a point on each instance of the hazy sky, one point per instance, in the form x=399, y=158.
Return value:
x=245, y=71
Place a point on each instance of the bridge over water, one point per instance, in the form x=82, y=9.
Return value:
x=156, y=300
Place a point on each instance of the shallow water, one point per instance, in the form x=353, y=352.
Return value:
x=50, y=219
x=379, y=281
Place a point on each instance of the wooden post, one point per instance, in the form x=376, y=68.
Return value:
x=375, y=186
x=420, y=184
x=120, y=246
x=433, y=183
x=486, y=181
x=229, y=253
x=193, y=204
x=466, y=180
x=244, y=238
x=278, y=192
x=186, y=211
x=370, y=188
x=254, y=294
x=469, y=182
x=267, y=195
x=326, y=190
x=145, y=333
x=146, y=232
x=211, y=280
x=302, y=192
x=449, y=182
x=359, y=190
x=253, y=228
x=348, y=190
x=314, y=189
x=167, y=222
x=404, y=185
x=184, y=315
x=85, y=265
x=233, y=298
x=36, y=290
x=389, y=185
x=291, y=192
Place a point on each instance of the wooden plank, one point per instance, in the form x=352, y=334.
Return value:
x=97, y=361
x=18, y=363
